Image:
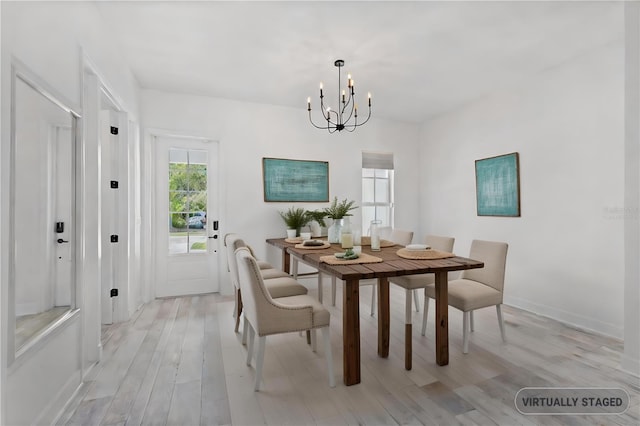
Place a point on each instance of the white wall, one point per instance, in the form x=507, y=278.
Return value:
x=631, y=356
x=49, y=39
x=247, y=132
x=566, y=252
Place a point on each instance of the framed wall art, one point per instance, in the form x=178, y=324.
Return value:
x=295, y=180
x=498, y=186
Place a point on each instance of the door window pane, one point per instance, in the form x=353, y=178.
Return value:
x=187, y=201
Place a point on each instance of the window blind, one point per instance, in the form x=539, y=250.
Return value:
x=377, y=160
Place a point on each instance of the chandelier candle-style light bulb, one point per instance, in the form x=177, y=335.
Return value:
x=345, y=116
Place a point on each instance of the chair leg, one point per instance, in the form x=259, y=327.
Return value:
x=245, y=330
x=252, y=335
x=416, y=299
x=235, y=303
x=501, y=322
x=333, y=290
x=260, y=360
x=424, y=314
x=294, y=267
x=465, y=332
x=471, y=320
x=238, y=309
x=328, y=355
x=314, y=344
x=320, y=290
x=408, y=331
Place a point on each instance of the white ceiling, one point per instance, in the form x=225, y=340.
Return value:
x=417, y=59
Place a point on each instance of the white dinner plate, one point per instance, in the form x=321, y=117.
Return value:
x=417, y=247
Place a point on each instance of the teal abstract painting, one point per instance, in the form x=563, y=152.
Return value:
x=295, y=180
x=498, y=186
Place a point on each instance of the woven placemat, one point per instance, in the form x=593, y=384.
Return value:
x=423, y=254
x=364, y=258
x=366, y=241
x=325, y=245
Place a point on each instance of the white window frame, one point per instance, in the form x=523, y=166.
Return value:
x=378, y=162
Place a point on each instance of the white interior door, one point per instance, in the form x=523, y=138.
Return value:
x=187, y=239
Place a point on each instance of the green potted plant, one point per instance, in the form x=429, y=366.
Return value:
x=295, y=218
x=338, y=211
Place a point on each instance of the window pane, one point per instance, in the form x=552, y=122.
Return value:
x=178, y=201
x=197, y=201
x=368, y=172
x=368, y=214
x=382, y=190
x=381, y=173
x=367, y=191
x=382, y=213
x=187, y=201
x=197, y=177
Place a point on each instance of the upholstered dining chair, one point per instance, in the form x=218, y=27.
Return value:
x=476, y=288
x=278, y=283
x=397, y=236
x=411, y=284
x=268, y=316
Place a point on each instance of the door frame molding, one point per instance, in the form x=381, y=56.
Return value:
x=95, y=87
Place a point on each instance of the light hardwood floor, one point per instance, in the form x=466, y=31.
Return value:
x=178, y=362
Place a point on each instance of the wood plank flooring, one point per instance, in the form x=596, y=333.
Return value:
x=178, y=362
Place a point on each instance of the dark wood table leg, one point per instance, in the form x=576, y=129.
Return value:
x=442, y=319
x=286, y=261
x=351, y=332
x=408, y=331
x=383, y=317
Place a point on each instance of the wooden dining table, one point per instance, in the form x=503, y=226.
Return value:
x=392, y=265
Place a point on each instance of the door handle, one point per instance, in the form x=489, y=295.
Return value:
x=215, y=237
x=60, y=241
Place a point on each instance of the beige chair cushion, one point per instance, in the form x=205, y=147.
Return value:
x=264, y=265
x=272, y=273
x=467, y=295
x=412, y=282
x=267, y=315
x=284, y=287
x=261, y=263
x=280, y=283
x=320, y=313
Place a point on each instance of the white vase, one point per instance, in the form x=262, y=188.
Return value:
x=316, y=230
x=291, y=233
x=334, y=231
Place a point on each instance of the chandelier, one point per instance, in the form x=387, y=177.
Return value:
x=340, y=118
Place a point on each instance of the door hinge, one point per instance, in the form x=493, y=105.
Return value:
x=114, y=238
x=114, y=130
x=114, y=292
x=114, y=184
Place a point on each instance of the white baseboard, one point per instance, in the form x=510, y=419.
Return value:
x=27, y=308
x=54, y=411
x=577, y=321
